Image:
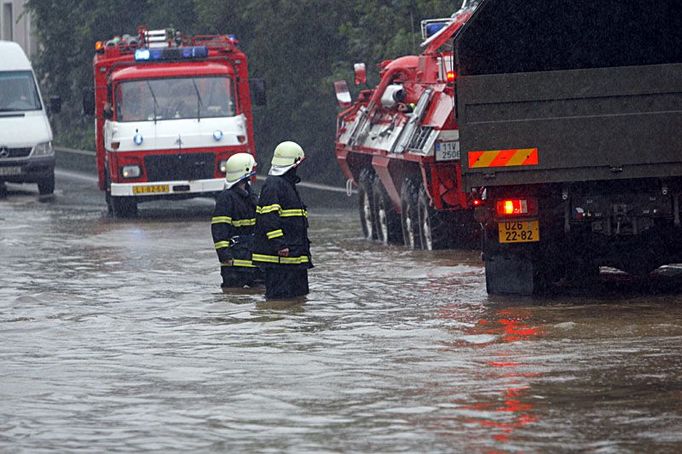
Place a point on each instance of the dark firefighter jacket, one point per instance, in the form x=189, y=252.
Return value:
x=281, y=222
x=232, y=226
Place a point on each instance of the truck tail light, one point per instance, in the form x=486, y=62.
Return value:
x=527, y=206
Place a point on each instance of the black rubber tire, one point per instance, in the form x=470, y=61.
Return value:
x=123, y=207
x=366, y=204
x=409, y=216
x=387, y=218
x=434, y=231
x=46, y=185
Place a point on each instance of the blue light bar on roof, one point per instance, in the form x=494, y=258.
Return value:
x=171, y=53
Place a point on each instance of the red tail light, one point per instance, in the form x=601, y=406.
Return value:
x=517, y=207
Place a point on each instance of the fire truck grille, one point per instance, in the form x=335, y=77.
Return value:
x=191, y=166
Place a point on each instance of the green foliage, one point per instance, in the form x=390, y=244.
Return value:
x=298, y=46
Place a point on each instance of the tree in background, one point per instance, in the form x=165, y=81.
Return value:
x=298, y=46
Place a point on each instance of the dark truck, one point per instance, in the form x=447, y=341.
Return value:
x=570, y=117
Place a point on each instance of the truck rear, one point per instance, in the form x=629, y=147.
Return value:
x=170, y=110
x=571, y=128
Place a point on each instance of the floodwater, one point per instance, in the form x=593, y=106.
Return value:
x=115, y=336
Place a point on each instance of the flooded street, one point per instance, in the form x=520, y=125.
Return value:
x=115, y=336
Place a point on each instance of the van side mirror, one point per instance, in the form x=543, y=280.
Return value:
x=88, y=101
x=55, y=104
x=257, y=87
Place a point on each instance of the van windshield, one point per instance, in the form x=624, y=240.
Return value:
x=18, y=92
x=168, y=99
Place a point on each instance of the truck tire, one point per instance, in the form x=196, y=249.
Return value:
x=386, y=217
x=409, y=217
x=46, y=185
x=433, y=226
x=123, y=207
x=366, y=204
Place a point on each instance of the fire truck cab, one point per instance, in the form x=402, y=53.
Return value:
x=170, y=110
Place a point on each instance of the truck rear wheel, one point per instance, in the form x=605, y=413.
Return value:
x=366, y=204
x=46, y=185
x=433, y=226
x=409, y=217
x=386, y=216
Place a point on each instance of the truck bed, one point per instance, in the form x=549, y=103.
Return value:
x=590, y=91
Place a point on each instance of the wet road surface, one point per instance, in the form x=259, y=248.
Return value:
x=115, y=336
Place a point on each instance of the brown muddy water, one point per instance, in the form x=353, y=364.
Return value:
x=115, y=336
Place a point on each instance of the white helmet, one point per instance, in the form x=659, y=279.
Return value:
x=239, y=167
x=287, y=156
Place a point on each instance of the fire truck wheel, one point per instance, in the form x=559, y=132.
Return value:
x=46, y=185
x=409, y=215
x=433, y=226
x=386, y=216
x=366, y=204
x=123, y=207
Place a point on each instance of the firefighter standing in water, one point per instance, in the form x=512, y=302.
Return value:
x=233, y=224
x=281, y=247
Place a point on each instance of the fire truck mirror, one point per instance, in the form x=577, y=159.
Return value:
x=257, y=87
x=108, y=112
x=88, y=101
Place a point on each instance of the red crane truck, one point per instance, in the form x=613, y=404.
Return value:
x=571, y=120
x=399, y=144
x=170, y=110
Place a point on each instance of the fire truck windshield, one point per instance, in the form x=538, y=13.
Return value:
x=177, y=98
x=18, y=92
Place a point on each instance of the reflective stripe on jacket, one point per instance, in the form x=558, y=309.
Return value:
x=281, y=222
x=232, y=226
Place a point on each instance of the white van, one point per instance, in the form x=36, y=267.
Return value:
x=26, y=154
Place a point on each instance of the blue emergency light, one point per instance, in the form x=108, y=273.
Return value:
x=434, y=27
x=171, y=53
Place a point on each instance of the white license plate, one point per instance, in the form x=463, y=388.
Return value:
x=8, y=171
x=447, y=151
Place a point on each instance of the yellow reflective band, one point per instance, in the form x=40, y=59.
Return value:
x=293, y=212
x=241, y=263
x=265, y=258
x=222, y=244
x=268, y=209
x=221, y=220
x=282, y=260
x=275, y=234
x=244, y=222
x=294, y=260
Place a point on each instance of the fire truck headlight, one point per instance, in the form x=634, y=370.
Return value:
x=130, y=171
x=217, y=135
x=43, y=149
x=138, y=139
x=223, y=166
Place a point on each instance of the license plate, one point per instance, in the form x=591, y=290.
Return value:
x=7, y=171
x=518, y=231
x=152, y=189
x=447, y=151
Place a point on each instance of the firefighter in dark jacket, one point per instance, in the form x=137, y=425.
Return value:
x=280, y=246
x=233, y=222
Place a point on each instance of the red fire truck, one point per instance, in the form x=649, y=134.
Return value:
x=398, y=143
x=170, y=110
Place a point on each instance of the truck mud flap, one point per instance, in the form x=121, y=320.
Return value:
x=509, y=275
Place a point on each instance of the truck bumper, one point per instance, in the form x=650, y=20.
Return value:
x=158, y=189
x=29, y=170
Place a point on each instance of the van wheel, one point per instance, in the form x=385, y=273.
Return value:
x=46, y=185
x=387, y=218
x=409, y=215
x=366, y=204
